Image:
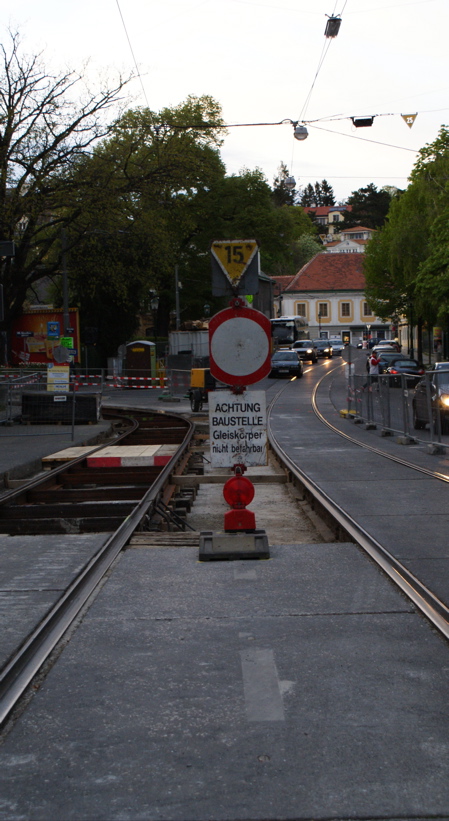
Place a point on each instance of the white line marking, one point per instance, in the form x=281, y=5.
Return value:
x=263, y=700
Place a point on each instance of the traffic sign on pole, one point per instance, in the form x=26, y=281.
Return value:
x=235, y=267
x=239, y=345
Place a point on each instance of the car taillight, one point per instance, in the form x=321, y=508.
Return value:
x=393, y=370
x=421, y=370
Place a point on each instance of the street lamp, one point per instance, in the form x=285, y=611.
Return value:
x=368, y=328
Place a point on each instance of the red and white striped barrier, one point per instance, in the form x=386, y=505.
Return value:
x=132, y=456
x=139, y=382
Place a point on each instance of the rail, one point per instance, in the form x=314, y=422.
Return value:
x=29, y=658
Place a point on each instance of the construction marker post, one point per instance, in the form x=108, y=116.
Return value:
x=240, y=354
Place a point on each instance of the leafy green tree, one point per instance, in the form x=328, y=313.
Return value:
x=153, y=177
x=43, y=135
x=369, y=208
x=407, y=256
x=306, y=247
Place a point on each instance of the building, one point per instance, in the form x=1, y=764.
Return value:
x=328, y=218
x=329, y=291
x=352, y=241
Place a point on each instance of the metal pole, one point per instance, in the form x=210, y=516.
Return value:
x=178, y=317
x=65, y=287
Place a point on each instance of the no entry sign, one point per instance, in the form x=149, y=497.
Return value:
x=239, y=346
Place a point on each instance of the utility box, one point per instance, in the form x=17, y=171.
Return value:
x=42, y=406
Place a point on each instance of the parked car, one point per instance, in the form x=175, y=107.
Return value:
x=411, y=369
x=439, y=400
x=323, y=347
x=387, y=358
x=306, y=349
x=387, y=346
x=286, y=363
x=338, y=346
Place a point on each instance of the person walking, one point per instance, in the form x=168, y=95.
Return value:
x=374, y=364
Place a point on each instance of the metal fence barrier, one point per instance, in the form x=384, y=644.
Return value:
x=390, y=402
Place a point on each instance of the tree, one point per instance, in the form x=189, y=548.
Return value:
x=154, y=176
x=324, y=193
x=320, y=194
x=369, y=208
x=408, y=254
x=281, y=194
x=43, y=135
x=308, y=196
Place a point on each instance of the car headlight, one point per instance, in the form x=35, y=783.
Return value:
x=444, y=399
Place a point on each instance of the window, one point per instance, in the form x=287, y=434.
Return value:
x=322, y=309
x=345, y=309
x=301, y=309
x=367, y=310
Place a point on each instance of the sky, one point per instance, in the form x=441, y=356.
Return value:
x=266, y=62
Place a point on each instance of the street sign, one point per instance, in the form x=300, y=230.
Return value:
x=239, y=346
x=235, y=267
x=238, y=428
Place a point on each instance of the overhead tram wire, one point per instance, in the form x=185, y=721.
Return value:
x=133, y=55
x=364, y=139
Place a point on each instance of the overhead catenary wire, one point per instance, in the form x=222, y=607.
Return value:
x=132, y=53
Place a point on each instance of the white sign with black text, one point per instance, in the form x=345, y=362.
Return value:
x=238, y=428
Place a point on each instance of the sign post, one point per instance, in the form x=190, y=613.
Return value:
x=239, y=355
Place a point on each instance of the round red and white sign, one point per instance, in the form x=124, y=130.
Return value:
x=239, y=346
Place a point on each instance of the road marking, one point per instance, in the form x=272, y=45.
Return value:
x=243, y=573
x=261, y=687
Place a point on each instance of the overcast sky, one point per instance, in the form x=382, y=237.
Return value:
x=269, y=61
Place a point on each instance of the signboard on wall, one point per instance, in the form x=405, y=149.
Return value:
x=36, y=335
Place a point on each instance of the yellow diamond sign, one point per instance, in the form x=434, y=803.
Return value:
x=234, y=257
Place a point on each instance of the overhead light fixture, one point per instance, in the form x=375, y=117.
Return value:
x=300, y=132
x=362, y=122
x=332, y=26
x=290, y=183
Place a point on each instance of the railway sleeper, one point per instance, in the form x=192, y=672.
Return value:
x=88, y=494
x=31, y=527
x=64, y=509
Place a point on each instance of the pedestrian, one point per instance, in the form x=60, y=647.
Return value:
x=374, y=364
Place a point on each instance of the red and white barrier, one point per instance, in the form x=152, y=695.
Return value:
x=132, y=456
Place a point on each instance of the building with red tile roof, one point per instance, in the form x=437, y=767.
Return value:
x=329, y=291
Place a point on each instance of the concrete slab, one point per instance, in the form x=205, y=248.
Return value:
x=238, y=692
x=34, y=570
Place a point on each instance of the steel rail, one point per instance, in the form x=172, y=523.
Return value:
x=50, y=474
x=18, y=673
x=428, y=604
x=426, y=471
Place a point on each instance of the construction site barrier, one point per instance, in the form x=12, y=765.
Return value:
x=138, y=382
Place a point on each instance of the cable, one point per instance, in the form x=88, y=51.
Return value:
x=364, y=140
x=132, y=53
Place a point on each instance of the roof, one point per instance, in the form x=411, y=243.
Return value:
x=280, y=283
x=357, y=229
x=330, y=272
x=324, y=210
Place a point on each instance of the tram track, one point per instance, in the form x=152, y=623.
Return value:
x=424, y=599
x=143, y=497
x=148, y=484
